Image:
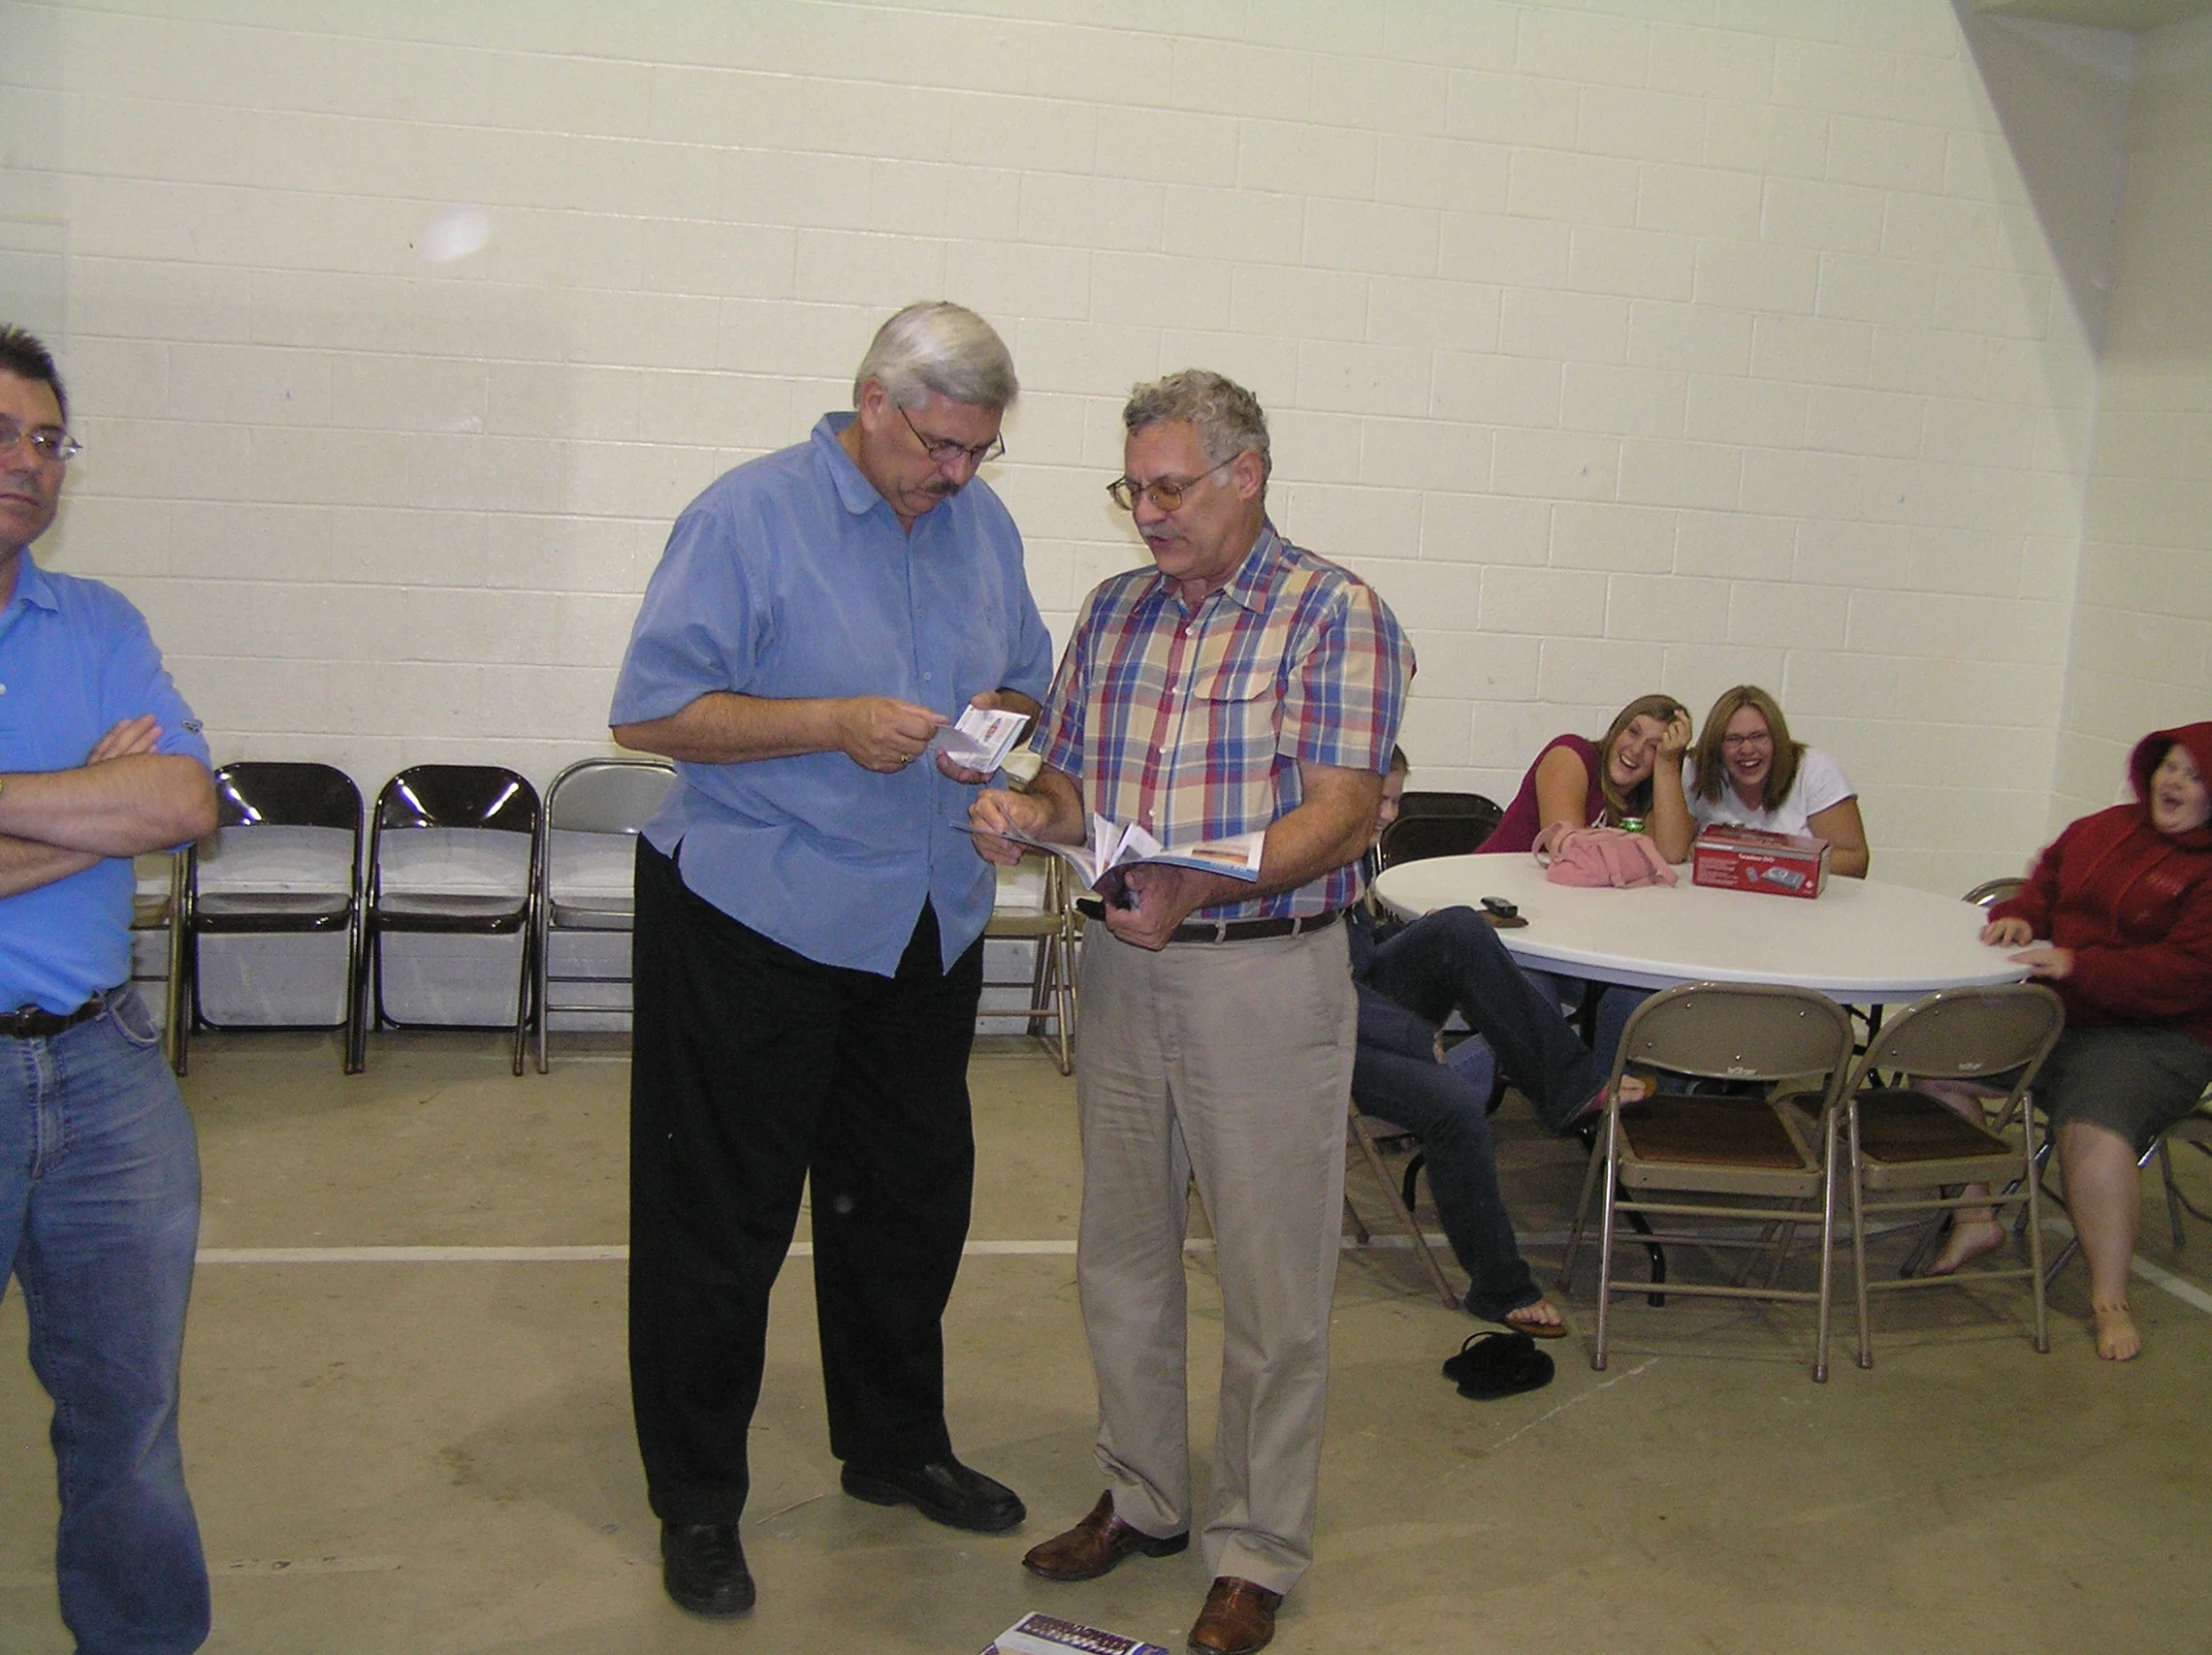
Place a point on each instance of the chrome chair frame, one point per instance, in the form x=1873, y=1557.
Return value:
x=594, y=796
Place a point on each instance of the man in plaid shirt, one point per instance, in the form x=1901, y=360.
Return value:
x=1240, y=684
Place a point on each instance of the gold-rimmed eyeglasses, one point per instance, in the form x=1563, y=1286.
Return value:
x=943, y=451
x=1167, y=492
x=49, y=443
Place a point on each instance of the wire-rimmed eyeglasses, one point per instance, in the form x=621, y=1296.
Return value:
x=943, y=451
x=1166, y=494
x=49, y=443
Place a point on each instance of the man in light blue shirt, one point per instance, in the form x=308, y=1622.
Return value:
x=809, y=934
x=100, y=760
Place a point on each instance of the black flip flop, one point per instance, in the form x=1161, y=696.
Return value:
x=1495, y=1365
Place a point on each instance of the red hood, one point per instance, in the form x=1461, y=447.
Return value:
x=2197, y=738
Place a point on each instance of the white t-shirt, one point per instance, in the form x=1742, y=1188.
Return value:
x=1820, y=784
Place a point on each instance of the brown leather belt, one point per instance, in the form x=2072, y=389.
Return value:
x=37, y=1023
x=1228, y=930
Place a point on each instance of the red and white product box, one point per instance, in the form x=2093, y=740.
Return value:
x=1751, y=858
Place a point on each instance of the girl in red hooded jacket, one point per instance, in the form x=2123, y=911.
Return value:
x=2125, y=899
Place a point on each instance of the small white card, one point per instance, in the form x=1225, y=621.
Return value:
x=980, y=737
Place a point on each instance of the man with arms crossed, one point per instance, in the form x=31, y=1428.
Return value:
x=100, y=760
x=809, y=934
x=1241, y=684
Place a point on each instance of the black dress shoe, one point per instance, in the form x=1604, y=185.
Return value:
x=702, y=1569
x=944, y=1492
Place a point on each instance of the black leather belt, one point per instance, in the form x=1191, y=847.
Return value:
x=36, y=1022
x=1228, y=930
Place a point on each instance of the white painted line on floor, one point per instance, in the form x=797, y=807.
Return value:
x=1643, y=1367
x=2188, y=1292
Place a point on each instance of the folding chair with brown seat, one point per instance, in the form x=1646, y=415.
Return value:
x=1051, y=926
x=1746, y=1152
x=1901, y=1138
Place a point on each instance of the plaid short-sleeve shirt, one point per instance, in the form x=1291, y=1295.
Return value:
x=1193, y=722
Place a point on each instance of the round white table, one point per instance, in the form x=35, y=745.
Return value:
x=1859, y=942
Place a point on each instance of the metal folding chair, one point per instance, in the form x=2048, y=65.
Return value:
x=586, y=854
x=1917, y=1150
x=490, y=895
x=284, y=860
x=1746, y=1153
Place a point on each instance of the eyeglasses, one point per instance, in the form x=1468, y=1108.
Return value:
x=1757, y=738
x=943, y=451
x=49, y=443
x=1168, y=493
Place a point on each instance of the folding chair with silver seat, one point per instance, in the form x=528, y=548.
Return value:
x=586, y=860
x=1747, y=1152
x=284, y=860
x=1899, y=1137
x=467, y=836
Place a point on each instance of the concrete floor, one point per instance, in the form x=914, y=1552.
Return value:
x=432, y=1452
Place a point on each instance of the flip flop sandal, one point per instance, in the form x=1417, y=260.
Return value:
x=1495, y=1365
x=1535, y=1330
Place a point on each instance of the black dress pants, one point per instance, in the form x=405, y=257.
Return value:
x=754, y=1068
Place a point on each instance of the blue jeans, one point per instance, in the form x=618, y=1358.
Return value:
x=100, y=1216
x=1451, y=961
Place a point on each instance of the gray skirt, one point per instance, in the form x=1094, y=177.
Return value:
x=2132, y=1080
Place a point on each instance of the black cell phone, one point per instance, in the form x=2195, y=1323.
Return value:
x=1500, y=908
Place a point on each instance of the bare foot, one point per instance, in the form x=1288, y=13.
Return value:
x=1541, y=1319
x=1634, y=1089
x=1967, y=1242
x=2117, y=1338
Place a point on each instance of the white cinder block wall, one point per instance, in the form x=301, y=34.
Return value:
x=1623, y=345
x=2142, y=626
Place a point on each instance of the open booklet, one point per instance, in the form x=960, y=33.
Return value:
x=980, y=737
x=1115, y=847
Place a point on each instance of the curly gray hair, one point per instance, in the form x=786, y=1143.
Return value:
x=1228, y=417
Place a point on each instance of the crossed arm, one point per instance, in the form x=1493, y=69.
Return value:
x=1330, y=827
x=124, y=800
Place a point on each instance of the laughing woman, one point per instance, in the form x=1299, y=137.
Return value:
x=1747, y=773
x=2125, y=899
x=1633, y=770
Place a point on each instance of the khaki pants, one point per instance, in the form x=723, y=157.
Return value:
x=1230, y=1063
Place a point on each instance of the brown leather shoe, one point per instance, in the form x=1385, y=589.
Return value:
x=1238, y=1618
x=1096, y=1544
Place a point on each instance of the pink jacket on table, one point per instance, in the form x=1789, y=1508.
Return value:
x=2134, y=905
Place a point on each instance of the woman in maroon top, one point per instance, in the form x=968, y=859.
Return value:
x=2125, y=899
x=1640, y=776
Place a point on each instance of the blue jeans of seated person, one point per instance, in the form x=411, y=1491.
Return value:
x=1452, y=960
x=1615, y=1004
x=99, y=1218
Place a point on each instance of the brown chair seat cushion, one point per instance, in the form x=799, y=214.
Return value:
x=1897, y=1123
x=1695, y=1131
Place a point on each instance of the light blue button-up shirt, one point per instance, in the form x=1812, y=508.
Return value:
x=76, y=660
x=790, y=577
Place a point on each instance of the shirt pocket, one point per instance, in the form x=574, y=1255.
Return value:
x=1243, y=709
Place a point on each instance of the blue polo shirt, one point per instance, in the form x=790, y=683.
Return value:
x=791, y=579
x=76, y=660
